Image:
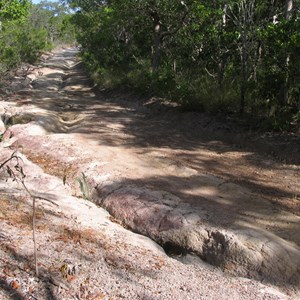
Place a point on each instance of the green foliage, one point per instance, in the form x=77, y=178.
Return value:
x=54, y=18
x=27, y=30
x=32, y=41
x=20, y=43
x=14, y=9
x=210, y=55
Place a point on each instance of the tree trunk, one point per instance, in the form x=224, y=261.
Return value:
x=243, y=76
x=221, y=65
x=224, y=16
x=288, y=9
x=243, y=17
x=157, y=40
x=285, y=88
x=156, y=52
x=159, y=35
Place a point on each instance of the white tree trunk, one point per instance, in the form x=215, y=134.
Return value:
x=288, y=15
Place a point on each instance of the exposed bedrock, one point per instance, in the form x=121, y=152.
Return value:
x=231, y=207
x=246, y=252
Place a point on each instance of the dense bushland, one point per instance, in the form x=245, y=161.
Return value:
x=27, y=30
x=223, y=56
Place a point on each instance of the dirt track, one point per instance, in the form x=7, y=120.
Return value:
x=191, y=183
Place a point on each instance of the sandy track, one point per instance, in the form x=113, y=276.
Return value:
x=180, y=178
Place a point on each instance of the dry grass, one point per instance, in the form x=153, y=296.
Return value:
x=78, y=236
x=53, y=167
x=17, y=211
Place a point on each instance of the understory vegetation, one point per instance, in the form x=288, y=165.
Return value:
x=26, y=30
x=229, y=57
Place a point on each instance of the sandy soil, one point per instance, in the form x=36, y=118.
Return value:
x=209, y=173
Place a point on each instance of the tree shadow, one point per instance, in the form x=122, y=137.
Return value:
x=9, y=291
x=145, y=207
x=44, y=279
x=79, y=242
x=228, y=171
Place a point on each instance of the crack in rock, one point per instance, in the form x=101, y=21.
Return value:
x=248, y=253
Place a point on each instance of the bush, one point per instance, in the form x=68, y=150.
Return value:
x=20, y=43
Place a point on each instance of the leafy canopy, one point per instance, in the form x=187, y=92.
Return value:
x=14, y=9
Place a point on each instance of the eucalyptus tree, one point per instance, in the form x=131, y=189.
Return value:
x=234, y=55
x=278, y=72
x=28, y=29
x=51, y=16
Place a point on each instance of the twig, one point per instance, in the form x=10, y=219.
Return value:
x=17, y=174
x=9, y=159
x=33, y=237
